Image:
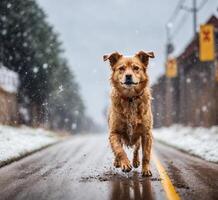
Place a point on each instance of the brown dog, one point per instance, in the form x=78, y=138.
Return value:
x=130, y=117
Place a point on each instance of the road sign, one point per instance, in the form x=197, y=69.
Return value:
x=206, y=42
x=171, y=68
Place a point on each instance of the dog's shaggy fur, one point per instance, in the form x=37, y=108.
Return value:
x=130, y=117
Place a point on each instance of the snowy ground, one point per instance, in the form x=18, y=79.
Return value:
x=202, y=142
x=18, y=142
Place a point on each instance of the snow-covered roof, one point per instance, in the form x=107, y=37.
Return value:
x=9, y=80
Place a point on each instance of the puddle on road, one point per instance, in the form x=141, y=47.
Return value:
x=116, y=176
x=126, y=186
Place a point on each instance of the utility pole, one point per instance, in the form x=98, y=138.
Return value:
x=168, y=39
x=195, y=10
x=169, y=45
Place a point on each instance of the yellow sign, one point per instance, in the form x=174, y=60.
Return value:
x=171, y=68
x=207, y=46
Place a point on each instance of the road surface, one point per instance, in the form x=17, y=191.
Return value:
x=81, y=168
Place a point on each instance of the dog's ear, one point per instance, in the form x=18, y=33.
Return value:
x=113, y=58
x=144, y=56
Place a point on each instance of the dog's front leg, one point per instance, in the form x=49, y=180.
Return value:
x=146, y=153
x=120, y=155
x=136, y=161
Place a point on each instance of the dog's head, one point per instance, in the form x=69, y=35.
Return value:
x=129, y=74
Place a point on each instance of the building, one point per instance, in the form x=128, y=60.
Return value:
x=191, y=98
x=9, y=83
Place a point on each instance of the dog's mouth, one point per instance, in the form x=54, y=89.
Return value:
x=129, y=83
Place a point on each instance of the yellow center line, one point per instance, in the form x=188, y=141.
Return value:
x=165, y=180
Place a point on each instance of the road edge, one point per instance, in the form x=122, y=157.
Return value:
x=21, y=156
x=183, y=151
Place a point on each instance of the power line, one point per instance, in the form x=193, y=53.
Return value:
x=176, y=11
x=180, y=6
x=181, y=23
x=202, y=4
x=194, y=10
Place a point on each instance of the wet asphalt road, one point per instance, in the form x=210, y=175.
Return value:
x=81, y=168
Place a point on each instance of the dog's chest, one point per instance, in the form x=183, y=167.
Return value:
x=132, y=117
x=131, y=137
x=132, y=114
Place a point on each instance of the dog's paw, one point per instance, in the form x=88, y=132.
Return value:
x=117, y=163
x=125, y=165
x=146, y=172
x=135, y=163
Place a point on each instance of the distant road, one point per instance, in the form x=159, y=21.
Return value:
x=81, y=168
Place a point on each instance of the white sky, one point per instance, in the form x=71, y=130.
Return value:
x=91, y=28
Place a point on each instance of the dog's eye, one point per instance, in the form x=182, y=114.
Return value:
x=121, y=69
x=135, y=68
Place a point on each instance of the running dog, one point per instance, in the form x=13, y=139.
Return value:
x=130, y=118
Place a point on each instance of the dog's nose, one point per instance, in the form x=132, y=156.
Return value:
x=128, y=77
x=128, y=80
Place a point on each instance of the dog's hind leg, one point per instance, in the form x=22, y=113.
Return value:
x=146, y=153
x=119, y=152
x=136, y=161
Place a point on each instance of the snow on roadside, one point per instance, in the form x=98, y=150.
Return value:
x=202, y=142
x=18, y=142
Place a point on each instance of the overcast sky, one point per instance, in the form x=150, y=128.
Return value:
x=91, y=28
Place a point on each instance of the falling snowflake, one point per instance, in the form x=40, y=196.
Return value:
x=4, y=32
x=204, y=80
x=94, y=71
x=76, y=112
x=171, y=89
x=204, y=108
x=74, y=126
x=188, y=80
x=25, y=44
x=9, y=5
x=136, y=32
x=45, y=66
x=60, y=89
x=3, y=18
x=35, y=70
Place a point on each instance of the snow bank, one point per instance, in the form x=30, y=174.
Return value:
x=202, y=142
x=18, y=142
